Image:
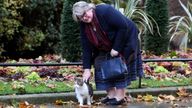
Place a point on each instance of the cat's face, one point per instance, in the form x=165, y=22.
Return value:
x=78, y=81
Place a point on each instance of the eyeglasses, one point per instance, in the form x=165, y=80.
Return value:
x=82, y=17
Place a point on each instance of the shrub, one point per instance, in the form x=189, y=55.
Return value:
x=29, y=26
x=158, y=44
x=70, y=42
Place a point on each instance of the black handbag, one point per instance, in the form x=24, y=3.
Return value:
x=113, y=68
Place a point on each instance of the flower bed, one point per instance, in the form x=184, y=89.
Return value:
x=40, y=79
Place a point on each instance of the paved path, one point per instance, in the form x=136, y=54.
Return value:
x=40, y=99
x=129, y=105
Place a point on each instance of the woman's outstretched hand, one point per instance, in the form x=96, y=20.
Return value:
x=86, y=74
x=114, y=53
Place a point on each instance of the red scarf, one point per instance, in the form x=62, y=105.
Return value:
x=96, y=35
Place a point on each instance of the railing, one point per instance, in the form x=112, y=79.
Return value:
x=41, y=64
x=80, y=63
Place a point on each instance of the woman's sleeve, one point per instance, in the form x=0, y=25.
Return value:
x=87, y=49
x=119, y=22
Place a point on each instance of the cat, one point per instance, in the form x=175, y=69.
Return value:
x=83, y=91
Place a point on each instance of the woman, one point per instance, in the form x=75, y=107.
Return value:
x=105, y=30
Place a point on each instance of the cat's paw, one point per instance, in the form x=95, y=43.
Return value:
x=89, y=103
x=81, y=104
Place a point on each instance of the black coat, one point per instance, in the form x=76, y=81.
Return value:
x=122, y=32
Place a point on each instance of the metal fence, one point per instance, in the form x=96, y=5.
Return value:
x=80, y=63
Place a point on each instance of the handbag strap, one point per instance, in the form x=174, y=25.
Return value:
x=108, y=56
x=122, y=57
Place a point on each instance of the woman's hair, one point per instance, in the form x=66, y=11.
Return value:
x=79, y=8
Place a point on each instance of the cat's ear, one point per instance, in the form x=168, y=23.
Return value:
x=78, y=76
x=75, y=77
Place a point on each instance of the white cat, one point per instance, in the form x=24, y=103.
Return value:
x=83, y=91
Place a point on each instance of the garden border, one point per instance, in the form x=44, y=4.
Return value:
x=80, y=63
x=51, y=97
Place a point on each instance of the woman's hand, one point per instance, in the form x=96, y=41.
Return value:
x=86, y=74
x=114, y=53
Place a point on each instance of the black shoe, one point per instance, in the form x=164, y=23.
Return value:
x=106, y=99
x=115, y=102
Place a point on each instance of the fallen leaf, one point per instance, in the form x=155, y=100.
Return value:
x=52, y=86
x=187, y=72
x=25, y=104
x=161, y=96
x=176, y=81
x=59, y=102
x=170, y=97
x=182, y=92
x=159, y=99
x=177, y=64
x=14, y=86
x=139, y=98
x=148, y=98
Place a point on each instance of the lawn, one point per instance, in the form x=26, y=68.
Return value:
x=67, y=86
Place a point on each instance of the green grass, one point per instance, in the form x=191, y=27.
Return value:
x=162, y=83
x=60, y=87
x=6, y=88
